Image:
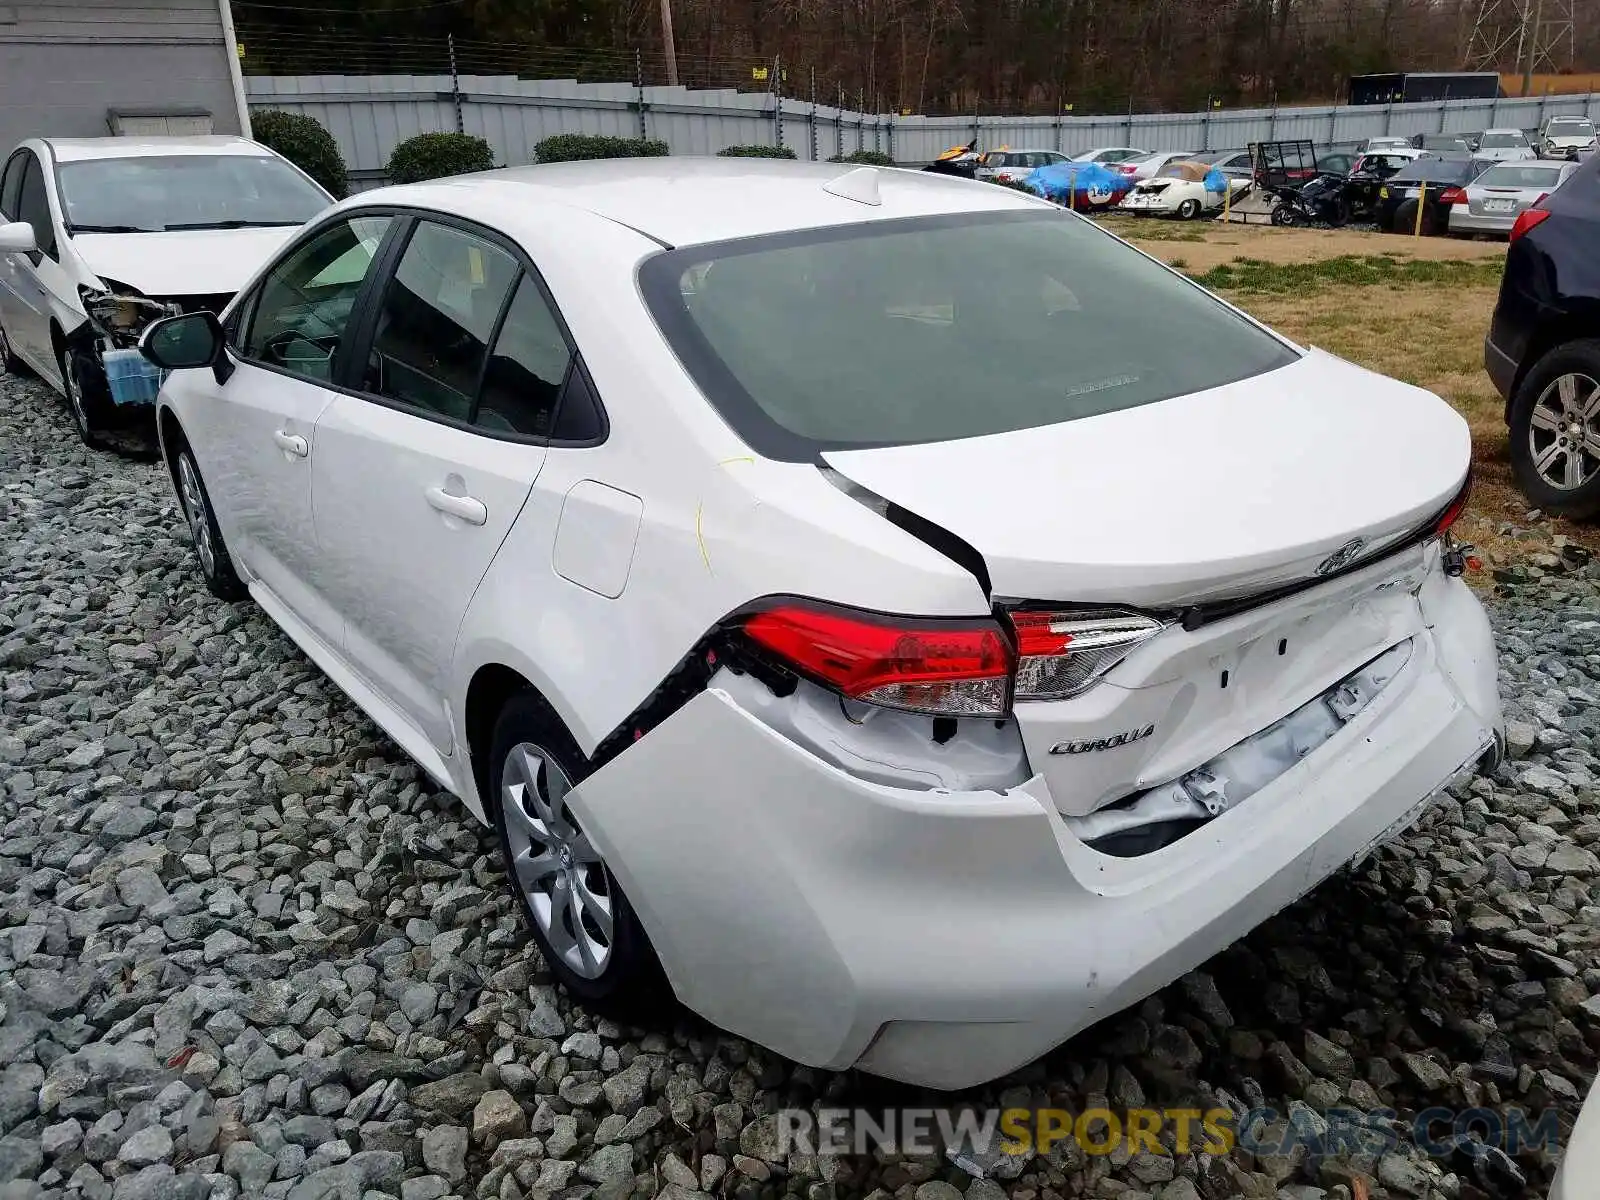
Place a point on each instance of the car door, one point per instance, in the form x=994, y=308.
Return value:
x=419, y=477
x=255, y=435
x=32, y=279
x=10, y=191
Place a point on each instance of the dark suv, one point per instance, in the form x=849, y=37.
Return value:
x=1543, y=348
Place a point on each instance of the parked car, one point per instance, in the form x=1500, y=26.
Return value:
x=1146, y=165
x=1181, y=189
x=126, y=230
x=1442, y=143
x=1435, y=184
x=1386, y=143
x=637, y=529
x=1566, y=137
x=1014, y=165
x=1108, y=155
x=1338, y=162
x=1503, y=145
x=1541, y=350
x=1235, y=164
x=1368, y=172
x=1494, y=200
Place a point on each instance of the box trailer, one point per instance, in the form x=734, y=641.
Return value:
x=1404, y=87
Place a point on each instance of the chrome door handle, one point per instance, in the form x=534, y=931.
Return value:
x=467, y=508
x=291, y=443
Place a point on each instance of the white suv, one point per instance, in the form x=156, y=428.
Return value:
x=823, y=589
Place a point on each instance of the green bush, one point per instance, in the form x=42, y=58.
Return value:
x=756, y=152
x=306, y=143
x=864, y=158
x=572, y=147
x=1015, y=185
x=436, y=155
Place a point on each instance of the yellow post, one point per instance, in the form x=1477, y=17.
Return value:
x=1422, y=200
x=1072, y=190
x=1227, y=199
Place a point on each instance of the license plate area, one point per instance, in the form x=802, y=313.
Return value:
x=1499, y=206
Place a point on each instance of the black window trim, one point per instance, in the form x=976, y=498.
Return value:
x=16, y=156
x=363, y=324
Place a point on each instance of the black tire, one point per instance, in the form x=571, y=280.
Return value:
x=1542, y=383
x=1189, y=210
x=1283, y=214
x=10, y=364
x=210, y=551
x=1405, y=220
x=88, y=397
x=630, y=983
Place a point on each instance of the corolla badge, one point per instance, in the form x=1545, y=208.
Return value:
x=1342, y=557
x=1090, y=745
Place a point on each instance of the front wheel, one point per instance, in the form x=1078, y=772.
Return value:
x=1189, y=209
x=216, y=566
x=1283, y=214
x=84, y=392
x=584, y=926
x=1555, y=431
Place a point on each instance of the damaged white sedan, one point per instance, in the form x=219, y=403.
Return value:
x=104, y=235
x=885, y=610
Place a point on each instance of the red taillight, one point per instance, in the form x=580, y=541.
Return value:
x=1452, y=514
x=1529, y=217
x=1453, y=195
x=950, y=667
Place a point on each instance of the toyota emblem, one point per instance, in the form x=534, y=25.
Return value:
x=1342, y=557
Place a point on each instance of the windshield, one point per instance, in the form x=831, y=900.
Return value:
x=1501, y=141
x=926, y=330
x=1528, y=177
x=151, y=193
x=1571, y=128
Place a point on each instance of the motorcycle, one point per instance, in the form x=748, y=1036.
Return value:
x=1319, y=201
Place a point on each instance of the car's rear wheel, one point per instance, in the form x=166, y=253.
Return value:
x=1189, y=209
x=584, y=926
x=216, y=566
x=1555, y=430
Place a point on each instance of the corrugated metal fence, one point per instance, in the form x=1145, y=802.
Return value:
x=369, y=114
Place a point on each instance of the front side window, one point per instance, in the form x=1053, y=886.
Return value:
x=11, y=184
x=303, y=306
x=33, y=206
x=152, y=193
x=436, y=318
x=899, y=332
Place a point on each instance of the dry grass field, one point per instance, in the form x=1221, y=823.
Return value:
x=1413, y=308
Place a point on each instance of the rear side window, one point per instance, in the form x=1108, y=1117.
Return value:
x=436, y=318
x=523, y=380
x=897, y=332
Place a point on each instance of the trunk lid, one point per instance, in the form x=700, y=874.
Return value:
x=1209, y=496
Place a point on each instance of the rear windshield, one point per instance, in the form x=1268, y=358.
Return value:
x=1435, y=170
x=927, y=330
x=1528, y=177
x=1501, y=141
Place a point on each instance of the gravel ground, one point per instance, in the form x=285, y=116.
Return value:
x=245, y=948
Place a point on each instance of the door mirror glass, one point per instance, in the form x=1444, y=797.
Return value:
x=178, y=343
x=17, y=238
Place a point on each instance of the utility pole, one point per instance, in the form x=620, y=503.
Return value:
x=1533, y=47
x=667, y=44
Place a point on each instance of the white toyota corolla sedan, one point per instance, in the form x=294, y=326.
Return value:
x=891, y=612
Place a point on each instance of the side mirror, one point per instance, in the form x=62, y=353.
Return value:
x=187, y=341
x=17, y=238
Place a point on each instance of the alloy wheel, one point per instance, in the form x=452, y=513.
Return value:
x=568, y=889
x=74, y=390
x=1564, y=432
x=196, y=513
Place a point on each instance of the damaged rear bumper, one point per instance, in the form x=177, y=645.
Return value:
x=945, y=937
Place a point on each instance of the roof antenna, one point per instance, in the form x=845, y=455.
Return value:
x=860, y=185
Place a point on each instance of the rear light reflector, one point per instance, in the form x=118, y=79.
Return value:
x=1452, y=514
x=1060, y=654
x=1528, y=218
x=959, y=668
